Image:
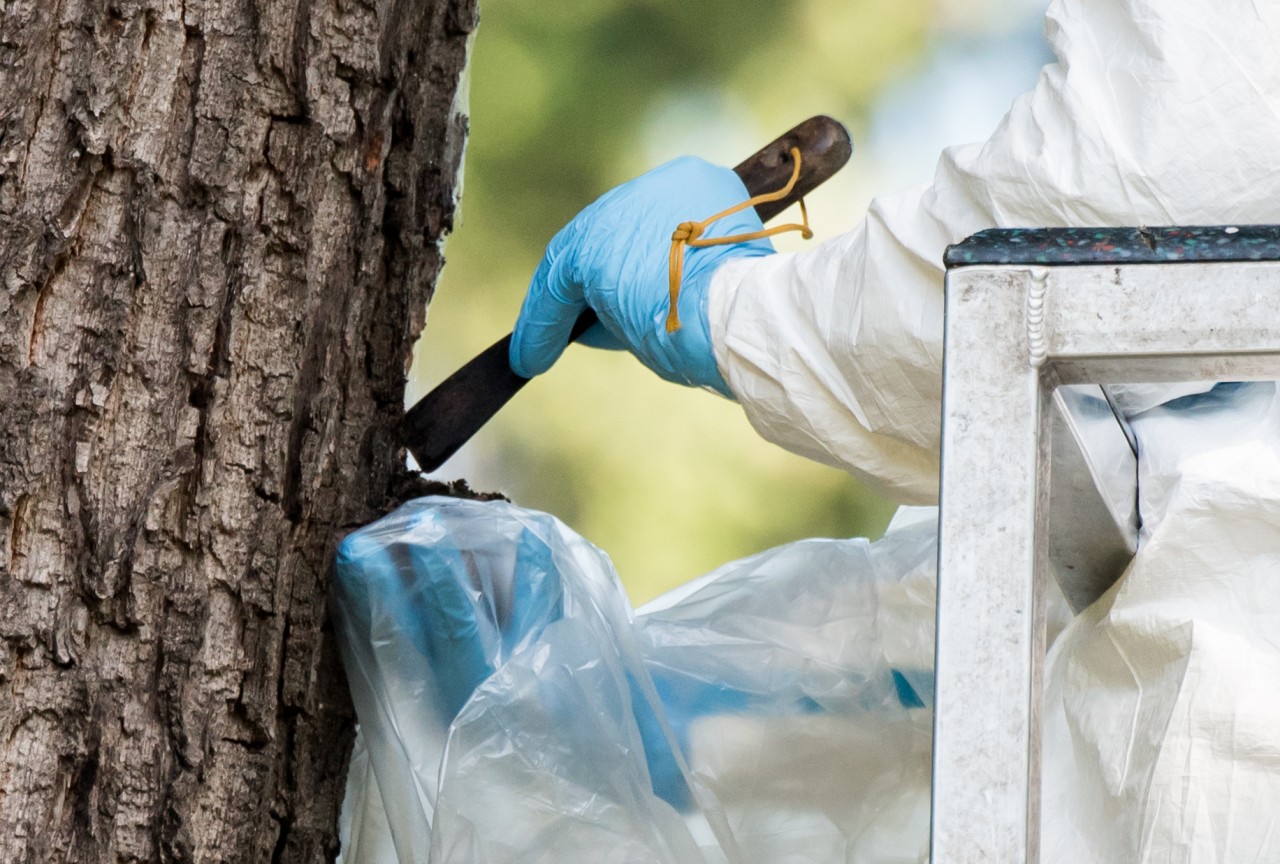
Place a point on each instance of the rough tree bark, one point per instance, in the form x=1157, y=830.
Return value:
x=219, y=226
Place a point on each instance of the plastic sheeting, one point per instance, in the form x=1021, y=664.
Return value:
x=773, y=712
x=777, y=709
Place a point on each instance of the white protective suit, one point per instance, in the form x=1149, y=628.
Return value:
x=1159, y=112
x=1162, y=716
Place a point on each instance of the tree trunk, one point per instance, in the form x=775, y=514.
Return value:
x=219, y=228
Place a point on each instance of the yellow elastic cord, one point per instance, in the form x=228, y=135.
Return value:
x=690, y=234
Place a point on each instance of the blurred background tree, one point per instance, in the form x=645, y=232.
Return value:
x=571, y=97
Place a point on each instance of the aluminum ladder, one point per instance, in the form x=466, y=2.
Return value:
x=1028, y=311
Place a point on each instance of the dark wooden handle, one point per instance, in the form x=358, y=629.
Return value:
x=824, y=148
x=447, y=417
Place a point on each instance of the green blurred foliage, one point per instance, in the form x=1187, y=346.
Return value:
x=569, y=98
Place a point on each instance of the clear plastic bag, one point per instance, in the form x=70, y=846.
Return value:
x=775, y=710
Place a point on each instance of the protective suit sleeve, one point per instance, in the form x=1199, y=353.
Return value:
x=836, y=353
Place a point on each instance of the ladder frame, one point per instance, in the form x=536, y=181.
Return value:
x=1027, y=311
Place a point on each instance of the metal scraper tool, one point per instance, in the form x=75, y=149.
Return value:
x=447, y=417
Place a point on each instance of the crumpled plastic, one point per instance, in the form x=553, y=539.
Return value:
x=775, y=710
x=778, y=709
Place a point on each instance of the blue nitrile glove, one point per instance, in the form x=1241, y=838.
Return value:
x=416, y=582
x=427, y=592
x=686, y=698
x=614, y=257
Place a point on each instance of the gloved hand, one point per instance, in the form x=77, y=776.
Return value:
x=614, y=257
x=465, y=614
x=464, y=589
x=460, y=613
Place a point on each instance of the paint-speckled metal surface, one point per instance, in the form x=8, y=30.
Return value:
x=1117, y=245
